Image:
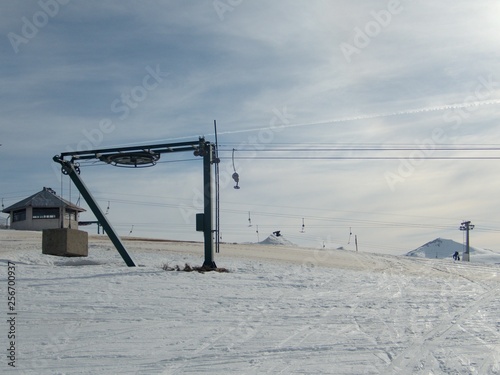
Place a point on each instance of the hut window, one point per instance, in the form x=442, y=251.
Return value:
x=70, y=215
x=45, y=213
x=19, y=215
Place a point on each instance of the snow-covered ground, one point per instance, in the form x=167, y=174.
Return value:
x=281, y=310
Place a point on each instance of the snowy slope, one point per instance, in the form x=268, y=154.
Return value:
x=441, y=248
x=281, y=310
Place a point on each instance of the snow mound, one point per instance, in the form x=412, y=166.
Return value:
x=442, y=248
x=276, y=240
x=439, y=248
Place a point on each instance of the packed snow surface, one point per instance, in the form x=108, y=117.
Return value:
x=280, y=310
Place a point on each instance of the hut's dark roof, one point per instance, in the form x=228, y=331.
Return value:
x=46, y=198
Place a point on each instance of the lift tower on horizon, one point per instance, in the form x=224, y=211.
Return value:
x=466, y=226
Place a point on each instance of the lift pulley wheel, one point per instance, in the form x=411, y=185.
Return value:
x=132, y=159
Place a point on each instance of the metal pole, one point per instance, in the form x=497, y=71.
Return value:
x=217, y=192
x=84, y=191
x=208, y=211
x=467, y=244
x=466, y=226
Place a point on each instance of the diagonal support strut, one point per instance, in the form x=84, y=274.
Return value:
x=69, y=168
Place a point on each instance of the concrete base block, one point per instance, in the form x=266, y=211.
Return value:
x=65, y=242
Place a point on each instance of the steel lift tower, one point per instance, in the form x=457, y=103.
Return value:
x=467, y=227
x=147, y=156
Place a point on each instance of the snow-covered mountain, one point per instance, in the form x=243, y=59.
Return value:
x=439, y=248
x=442, y=248
x=276, y=240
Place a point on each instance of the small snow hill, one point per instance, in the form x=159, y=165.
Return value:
x=276, y=240
x=442, y=248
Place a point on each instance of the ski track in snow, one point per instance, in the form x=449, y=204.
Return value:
x=279, y=311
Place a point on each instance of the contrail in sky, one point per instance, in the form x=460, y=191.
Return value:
x=357, y=118
x=377, y=115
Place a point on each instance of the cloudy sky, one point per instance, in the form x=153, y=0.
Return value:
x=375, y=118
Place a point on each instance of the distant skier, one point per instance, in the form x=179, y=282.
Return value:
x=456, y=256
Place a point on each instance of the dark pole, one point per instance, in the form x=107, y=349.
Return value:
x=217, y=192
x=466, y=226
x=69, y=168
x=467, y=244
x=208, y=211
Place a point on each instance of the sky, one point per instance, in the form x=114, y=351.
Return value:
x=339, y=114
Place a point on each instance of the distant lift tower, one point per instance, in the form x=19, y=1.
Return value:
x=146, y=156
x=466, y=226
